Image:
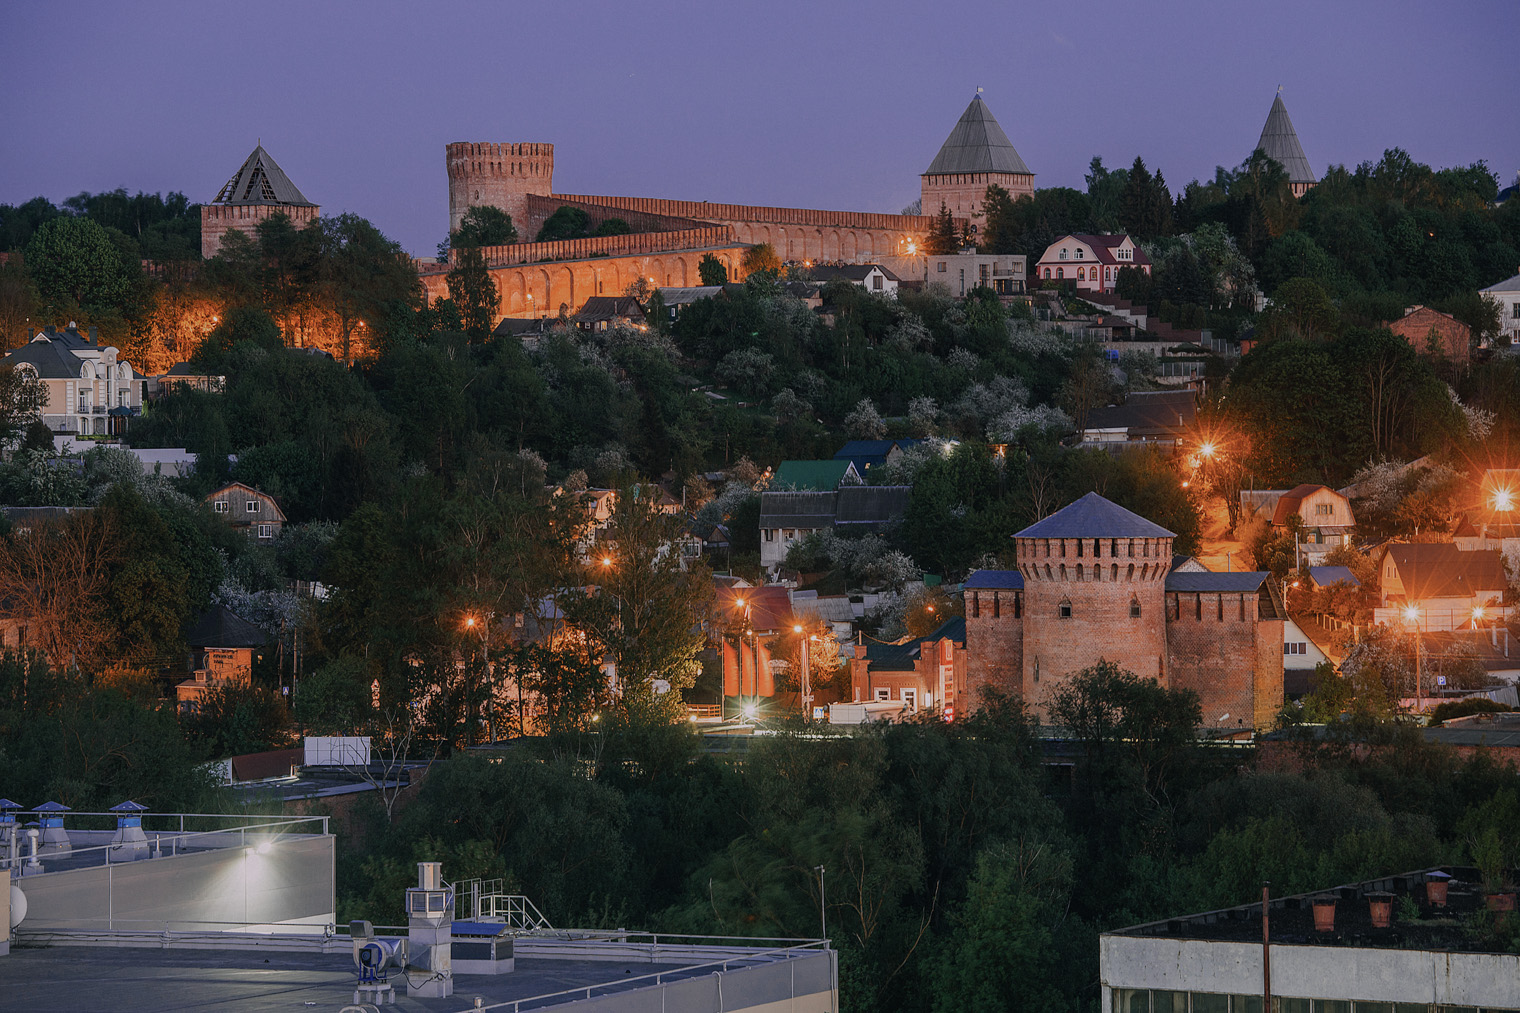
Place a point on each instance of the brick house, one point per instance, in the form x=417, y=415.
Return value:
x=222, y=650
x=927, y=672
x=1091, y=262
x=91, y=391
x=1094, y=582
x=1426, y=329
x=255, y=513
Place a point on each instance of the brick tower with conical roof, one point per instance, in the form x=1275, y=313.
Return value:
x=258, y=191
x=976, y=155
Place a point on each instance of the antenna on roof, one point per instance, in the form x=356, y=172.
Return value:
x=1279, y=89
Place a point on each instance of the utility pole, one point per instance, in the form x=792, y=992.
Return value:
x=823, y=907
x=1266, y=947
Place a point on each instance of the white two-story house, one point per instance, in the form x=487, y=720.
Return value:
x=1092, y=262
x=91, y=391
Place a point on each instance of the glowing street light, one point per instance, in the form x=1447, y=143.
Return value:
x=1412, y=613
x=606, y=562
x=1504, y=499
x=750, y=711
x=1207, y=450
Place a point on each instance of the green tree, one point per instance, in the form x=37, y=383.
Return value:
x=22, y=396
x=645, y=611
x=18, y=303
x=484, y=225
x=1001, y=234
x=942, y=238
x=472, y=289
x=565, y=223
x=761, y=260
x=712, y=271
x=74, y=263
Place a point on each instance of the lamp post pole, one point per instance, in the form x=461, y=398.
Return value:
x=804, y=644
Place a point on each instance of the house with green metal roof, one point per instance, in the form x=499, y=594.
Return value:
x=815, y=476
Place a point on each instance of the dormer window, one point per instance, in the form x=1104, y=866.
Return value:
x=1079, y=253
x=1063, y=253
x=252, y=506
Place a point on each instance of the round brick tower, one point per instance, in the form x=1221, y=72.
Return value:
x=501, y=175
x=1094, y=588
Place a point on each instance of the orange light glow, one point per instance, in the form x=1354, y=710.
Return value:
x=1411, y=613
x=1504, y=499
x=1478, y=613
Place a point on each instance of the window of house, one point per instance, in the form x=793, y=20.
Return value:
x=790, y=534
x=1295, y=647
x=252, y=506
x=1060, y=272
x=266, y=530
x=1324, y=509
x=1516, y=308
x=883, y=694
x=1134, y=608
x=1063, y=253
x=770, y=534
x=942, y=267
x=876, y=282
x=1079, y=253
x=219, y=506
x=1064, y=609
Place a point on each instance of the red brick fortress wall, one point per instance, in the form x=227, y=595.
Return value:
x=219, y=219
x=1219, y=648
x=537, y=279
x=795, y=233
x=994, y=645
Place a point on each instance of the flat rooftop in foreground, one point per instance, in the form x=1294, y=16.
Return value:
x=116, y=972
x=130, y=980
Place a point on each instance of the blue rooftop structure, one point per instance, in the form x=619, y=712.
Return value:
x=1324, y=576
x=995, y=580
x=1209, y=582
x=1092, y=516
x=871, y=453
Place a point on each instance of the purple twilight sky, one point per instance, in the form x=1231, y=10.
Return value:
x=830, y=105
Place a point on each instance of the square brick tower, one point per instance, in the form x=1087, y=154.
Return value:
x=256, y=192
x=975, y=155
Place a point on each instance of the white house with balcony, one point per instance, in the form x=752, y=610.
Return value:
x=1507, y=294
x=1092, y=263
x=91, y=391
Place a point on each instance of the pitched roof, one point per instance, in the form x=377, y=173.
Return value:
x=811, y=510
x=609, y=307
x=51, y=361
x=1289, y=503
x=1441, y=570
x=995, y=580
x=1210, y=582
x=902, y=657
x=819, y=476
x=871, y=504
x=1148, y=413
x=1324, y=576
x=261, y=181
x=220, y=628
x=977, y=144
x=1507, y=285
x=1280, y=141
x=871, y=453
x=849, y=272
x=691, y=294
x=1092, y=516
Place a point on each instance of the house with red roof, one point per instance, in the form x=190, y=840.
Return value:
x=1092, y=262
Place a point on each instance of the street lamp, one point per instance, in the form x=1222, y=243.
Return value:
x=807, y=685
x=1412, y=615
